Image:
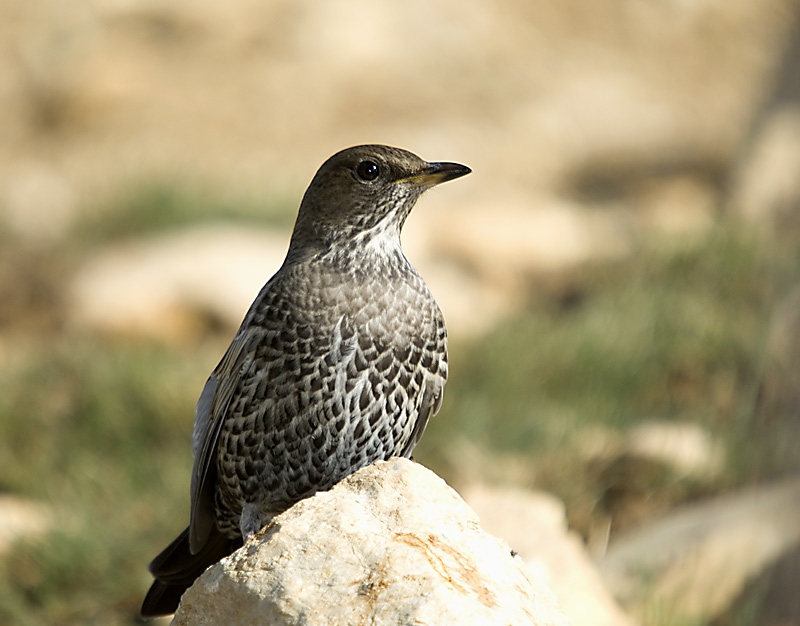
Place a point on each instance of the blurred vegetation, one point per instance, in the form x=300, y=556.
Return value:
x=674, y=334
x=100, y=429
x=154, y=206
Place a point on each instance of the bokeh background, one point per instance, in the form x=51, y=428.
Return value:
x=619, y=275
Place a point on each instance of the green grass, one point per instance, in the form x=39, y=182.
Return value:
x=158, y=206
x=670, y=336
x=101, y=433
x=663, y=336
x=100, y=430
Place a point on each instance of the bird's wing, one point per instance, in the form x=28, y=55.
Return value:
x=430, y=403
x=209, y=416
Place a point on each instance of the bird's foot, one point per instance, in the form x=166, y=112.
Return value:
x=250, y=521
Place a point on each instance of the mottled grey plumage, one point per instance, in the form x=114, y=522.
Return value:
x=339, y=362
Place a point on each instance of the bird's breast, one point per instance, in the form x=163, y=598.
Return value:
x=391, y=309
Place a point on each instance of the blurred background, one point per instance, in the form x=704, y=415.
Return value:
x=619, y=274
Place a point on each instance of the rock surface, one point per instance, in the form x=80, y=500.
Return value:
x=534, y=524
x=685, y=447
x=20, y=518
x=391, y=544
x=164, y=286
x=701, y=557
x=767, y=191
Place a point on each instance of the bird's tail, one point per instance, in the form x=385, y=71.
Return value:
x=176, y=568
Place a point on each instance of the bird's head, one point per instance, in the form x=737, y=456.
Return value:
x=364, y=192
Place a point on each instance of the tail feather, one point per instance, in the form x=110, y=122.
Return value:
x=176, y=568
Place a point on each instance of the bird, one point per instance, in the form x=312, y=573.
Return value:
x=339, y=362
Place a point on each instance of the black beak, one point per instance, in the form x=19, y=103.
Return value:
x=437, y=173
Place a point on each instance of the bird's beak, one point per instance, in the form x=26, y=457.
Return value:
x=436, y=173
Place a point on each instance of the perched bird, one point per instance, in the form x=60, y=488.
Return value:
x=339, y=362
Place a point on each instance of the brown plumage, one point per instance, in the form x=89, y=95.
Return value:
x=339, y=362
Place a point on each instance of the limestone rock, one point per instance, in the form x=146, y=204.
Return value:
x=534, y=524
x=520, y=237
x=686, y=447
x=39, y=203
x=700, y=558
x=20, y=518
x=163, y=286
x=391, y=544
x=767, y=189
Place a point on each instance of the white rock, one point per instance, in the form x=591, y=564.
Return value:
x=392, y=544
x=680, y=208
x=20, y=518
x=534, y=524
x=685, y=446
x=471, y=304
x=768, y=183
x=697, y=560
x=511, y=236
x=37, y=203
x=158, y=287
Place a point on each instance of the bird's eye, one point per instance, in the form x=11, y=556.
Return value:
x=368, y=170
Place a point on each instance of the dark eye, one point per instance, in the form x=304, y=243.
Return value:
x=368, y=170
